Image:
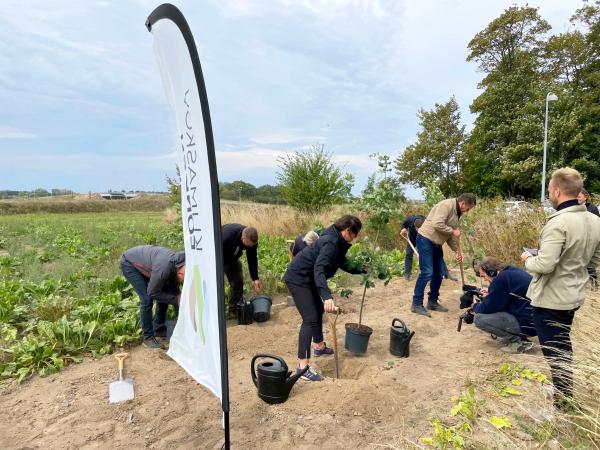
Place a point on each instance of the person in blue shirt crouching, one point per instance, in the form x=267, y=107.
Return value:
x=504, y=310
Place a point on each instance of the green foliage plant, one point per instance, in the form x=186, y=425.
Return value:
x=377, y=264
x=444, y=437
x=381, y=201
x=310, y=181
x=467, y=406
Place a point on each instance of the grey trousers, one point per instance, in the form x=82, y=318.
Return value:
x=501, y=324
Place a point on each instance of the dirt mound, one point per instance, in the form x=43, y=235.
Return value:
x=379, y=399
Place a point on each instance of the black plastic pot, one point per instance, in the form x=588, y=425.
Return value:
x=357, y=338
x=262, y=308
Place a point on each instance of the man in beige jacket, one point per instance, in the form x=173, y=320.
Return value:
x=440, y=227
x=569, y=244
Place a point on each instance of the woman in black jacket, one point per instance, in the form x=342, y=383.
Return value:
x=306, y=278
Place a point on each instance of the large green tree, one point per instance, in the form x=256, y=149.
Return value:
x=437, y=153
x=310, y=181
x=503, y=153
x=585, y=151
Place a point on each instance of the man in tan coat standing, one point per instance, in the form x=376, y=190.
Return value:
x=440, y=227
x=569, y=244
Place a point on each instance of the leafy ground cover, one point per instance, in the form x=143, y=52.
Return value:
x=61, y=293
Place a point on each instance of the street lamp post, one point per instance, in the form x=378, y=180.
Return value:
x=549, y=98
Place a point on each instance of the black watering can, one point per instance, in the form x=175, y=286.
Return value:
x=400, y=337
x=274, y=381
x=245, y=311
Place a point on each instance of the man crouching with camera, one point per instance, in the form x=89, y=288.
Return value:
x=504, y=310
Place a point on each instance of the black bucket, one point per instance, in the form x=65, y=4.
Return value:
x=357, y=339
x=400, y=337
x=262, y=308
x=245, y=312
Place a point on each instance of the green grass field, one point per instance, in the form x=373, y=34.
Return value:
x=61, y=294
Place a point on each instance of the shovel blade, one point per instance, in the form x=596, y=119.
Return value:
x=120, y=391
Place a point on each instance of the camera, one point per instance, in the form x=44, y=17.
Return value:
x=467, y=317
x=469, y=292
x=466, y=301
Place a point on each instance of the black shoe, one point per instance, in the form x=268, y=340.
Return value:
x=419, y=309
x=435, y=306
x=152, y=342
x=160, y=334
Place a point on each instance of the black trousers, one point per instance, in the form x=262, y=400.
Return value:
x=310, y=306
x=553, y=328
x=235, y=277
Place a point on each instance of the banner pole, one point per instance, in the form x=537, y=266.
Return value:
x=170, y=12
x=226, y=418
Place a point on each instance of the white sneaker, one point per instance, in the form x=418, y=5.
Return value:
x=517, y=347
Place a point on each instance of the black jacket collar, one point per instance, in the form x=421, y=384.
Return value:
x=566, y=204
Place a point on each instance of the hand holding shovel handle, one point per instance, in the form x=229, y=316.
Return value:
x=121, y=357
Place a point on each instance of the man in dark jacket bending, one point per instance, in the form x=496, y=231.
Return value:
x=155, y=274
x=236, y=239
x=505, y=310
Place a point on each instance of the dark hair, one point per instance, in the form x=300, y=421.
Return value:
x=352, y=223
x=585, y=193
x=251, y=234
x=418, y=223
x=490, y=265
x=468, y=198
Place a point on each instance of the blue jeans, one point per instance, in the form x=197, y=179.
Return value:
x=431, y=266
x=140, y=286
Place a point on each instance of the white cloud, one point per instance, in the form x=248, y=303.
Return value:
x=7, y=132
x=284, y=138
x=90, y=164
x=248, y=160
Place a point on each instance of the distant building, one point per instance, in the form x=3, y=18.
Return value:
x=116, y=195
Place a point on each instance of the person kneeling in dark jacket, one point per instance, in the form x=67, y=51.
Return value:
x=505, y=310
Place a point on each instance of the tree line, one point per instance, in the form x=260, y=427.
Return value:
x=521, y=62
x=242, y=191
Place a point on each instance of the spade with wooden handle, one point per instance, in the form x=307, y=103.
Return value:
x=462, y=267
x=122, y=390
x=334, y=334
x=411, y=246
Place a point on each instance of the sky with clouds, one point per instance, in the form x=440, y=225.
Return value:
x=83, y=107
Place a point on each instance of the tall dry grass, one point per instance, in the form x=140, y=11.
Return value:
x=490, y=230
x=583, y=421
x=277, y=220
x=152, y=203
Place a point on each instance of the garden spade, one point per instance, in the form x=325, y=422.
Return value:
x=335, y=350
x=462, y=267
x=411, y=246
x=122, y=390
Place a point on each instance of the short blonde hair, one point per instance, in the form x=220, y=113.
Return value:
x=568, y=180
x=310, y=237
